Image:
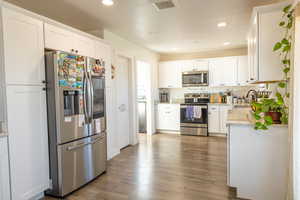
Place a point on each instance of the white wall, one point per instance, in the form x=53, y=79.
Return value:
x=125, y=47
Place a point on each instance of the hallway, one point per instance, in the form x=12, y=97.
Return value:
x=164, y=167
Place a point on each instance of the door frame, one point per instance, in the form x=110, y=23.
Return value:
x=133, y=117
x=149, y=97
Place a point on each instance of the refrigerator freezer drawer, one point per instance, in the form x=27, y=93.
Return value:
x=81, y=162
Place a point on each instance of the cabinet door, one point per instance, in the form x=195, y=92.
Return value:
x=213, y=119
x=4, y=170
x=194, y=65
x=28, y=141
x=23, y=48
x=169, y=75
x=84, y=45
x=223, y=118
x=223, y=71
x=253, y=51
x=168, y=117
x=242, y=70
x=103, y=51
x=59, y=39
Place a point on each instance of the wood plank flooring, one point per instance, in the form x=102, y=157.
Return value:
x=164, y=167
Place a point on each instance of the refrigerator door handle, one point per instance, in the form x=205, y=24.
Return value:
x=85, y=97
x=91, y=98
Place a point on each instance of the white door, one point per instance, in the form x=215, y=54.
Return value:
x=23, y=49
x=122, y=99
x=28, y=141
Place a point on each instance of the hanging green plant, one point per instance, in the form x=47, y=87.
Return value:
x=267, y=111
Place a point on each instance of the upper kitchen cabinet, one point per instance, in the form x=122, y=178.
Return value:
x=242, y=70
x=194, y=65
x=264, y=64
x=23, y=49
x=169, y=75
x=223, y=71
x=64, y=40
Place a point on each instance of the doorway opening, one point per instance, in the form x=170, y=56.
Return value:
x=143, y=96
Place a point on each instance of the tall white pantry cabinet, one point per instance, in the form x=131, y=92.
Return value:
x=23, y=38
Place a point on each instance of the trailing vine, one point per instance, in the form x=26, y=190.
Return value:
x=284, y=46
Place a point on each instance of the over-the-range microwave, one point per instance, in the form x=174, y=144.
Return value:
x=195, y=78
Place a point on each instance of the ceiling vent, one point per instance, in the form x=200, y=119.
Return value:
x=164, y=4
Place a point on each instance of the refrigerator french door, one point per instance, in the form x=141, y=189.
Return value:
x=77, y=151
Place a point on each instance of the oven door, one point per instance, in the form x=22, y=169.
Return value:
x=194, y=120
x=193, y=114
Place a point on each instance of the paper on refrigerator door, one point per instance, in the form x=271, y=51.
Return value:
x=97, y=125
x=80, y=120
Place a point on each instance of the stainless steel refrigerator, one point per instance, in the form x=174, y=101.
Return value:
x=76, y=120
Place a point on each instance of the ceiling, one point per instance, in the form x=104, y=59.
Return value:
x=190, y=27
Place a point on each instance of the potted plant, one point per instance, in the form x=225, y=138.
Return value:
x=268, y=112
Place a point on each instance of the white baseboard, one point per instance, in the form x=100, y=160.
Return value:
x=168, y=131
x=218, y=134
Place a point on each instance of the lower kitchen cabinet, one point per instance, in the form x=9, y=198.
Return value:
x=213, y=119
x=28, y=141
x=4, y=170
x=168, y=117
x=217, y=118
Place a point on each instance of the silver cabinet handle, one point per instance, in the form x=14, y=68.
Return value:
x=71, y=148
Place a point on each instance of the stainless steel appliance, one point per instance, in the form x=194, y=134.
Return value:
x=142, y=110
x=194, y=115
x=195, y=78
x=164, y=96
x=76, y=121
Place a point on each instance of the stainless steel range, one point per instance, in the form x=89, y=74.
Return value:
x=76, y=120
x=194, y=114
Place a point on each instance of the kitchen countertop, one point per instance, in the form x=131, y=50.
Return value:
x=3, y=135
x=243, y=116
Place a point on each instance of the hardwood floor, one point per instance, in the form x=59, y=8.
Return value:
x=164, y=167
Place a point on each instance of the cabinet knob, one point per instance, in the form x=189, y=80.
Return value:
x=72, y=50
x=44, y=89
x=251, y=79
x=76, y=51
x=44, y=81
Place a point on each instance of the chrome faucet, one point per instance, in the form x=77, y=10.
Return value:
x=253, y=94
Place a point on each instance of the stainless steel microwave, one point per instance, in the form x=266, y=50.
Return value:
x=195, y=78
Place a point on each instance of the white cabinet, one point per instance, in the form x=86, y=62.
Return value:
x=242, y=70
x=23, y=48
x=84, y=45
x=223, y=71
x=168, y=117
x=213, y=119
x=217, y=118
x=57, y=38
x=264, y=64
x=223, y=114
x=4, y=170
x=28, y=141
x=194, y=65
x=169, y=75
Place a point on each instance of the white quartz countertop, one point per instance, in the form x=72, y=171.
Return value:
x=243, y=116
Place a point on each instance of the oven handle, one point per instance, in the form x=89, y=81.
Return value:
x=205, y=107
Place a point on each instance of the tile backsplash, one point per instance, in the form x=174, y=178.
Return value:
x=240, y=91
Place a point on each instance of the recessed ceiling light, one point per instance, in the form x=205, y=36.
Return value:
x=108, y=2
x=174, y=49
x=226, y=43
x=222, y=24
